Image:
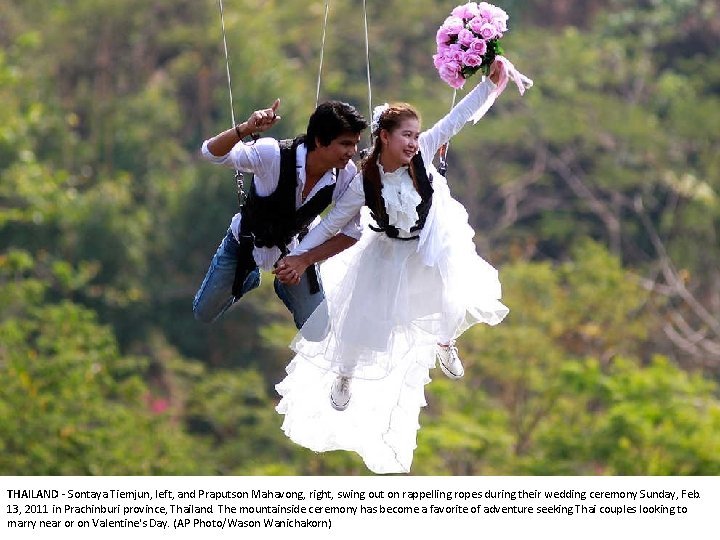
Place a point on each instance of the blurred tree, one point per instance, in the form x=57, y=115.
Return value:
x=70, y=403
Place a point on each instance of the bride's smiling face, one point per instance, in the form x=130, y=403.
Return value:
x=400, y=144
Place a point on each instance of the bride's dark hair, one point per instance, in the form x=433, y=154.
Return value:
x=389, y=120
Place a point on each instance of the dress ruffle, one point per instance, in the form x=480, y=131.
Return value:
x=380, y=423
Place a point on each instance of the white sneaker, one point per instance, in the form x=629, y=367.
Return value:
x=450, y=361
x=340, y=393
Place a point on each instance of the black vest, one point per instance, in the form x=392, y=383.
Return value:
x=274, y=221
x=376, y=204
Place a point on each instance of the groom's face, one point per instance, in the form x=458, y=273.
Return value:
x=340, y=151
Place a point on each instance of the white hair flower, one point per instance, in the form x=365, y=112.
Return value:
x=377, y=112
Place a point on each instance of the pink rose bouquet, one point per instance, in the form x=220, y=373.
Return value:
x=468, y=41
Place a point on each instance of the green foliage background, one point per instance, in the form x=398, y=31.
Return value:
x=595, y=194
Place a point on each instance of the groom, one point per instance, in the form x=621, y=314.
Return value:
x=294, y=181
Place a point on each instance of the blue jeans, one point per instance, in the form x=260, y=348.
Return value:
x=214, y=297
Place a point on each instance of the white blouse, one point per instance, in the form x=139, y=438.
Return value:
x=400, y=196
x=398, y=191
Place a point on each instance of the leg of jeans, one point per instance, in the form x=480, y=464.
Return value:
x=214, y=297
x=298, y=298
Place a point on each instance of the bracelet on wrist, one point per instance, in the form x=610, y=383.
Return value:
x=254, y=135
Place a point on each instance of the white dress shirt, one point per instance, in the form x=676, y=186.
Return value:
x=429, y=143
x=262, y=158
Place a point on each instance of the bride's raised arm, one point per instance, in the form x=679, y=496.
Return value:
x=479, y=98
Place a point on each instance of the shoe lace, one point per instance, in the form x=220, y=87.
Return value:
x=450, y=347
x=344, y=384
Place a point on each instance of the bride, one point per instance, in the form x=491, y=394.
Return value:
x=395, y=301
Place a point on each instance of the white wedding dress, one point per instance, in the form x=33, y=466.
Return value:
x=389, y=303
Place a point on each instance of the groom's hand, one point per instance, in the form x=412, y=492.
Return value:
x=264, y=119
x=290, y=269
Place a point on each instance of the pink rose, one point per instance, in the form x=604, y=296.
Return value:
x=465, y=37
x=442, y=58
x=500, y=24
x=439, y=59
x=456, y=81
x=455, y=52
x=453, y=79
x=478, y=46
x=476, y=24
x=499, y=19
x=499, y=13
x=443, y=36
x=453, y=25
x=449, y=70
x=468, y=11
x=488, y=31
x=472, y=59
x=486, y=10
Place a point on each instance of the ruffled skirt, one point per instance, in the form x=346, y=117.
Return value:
x=386, y=311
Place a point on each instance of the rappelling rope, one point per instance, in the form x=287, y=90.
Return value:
x=322, y=52
x=367, y=63
x=442, y=166
x=238, y=175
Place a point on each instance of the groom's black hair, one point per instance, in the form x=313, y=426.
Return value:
x=330, y=120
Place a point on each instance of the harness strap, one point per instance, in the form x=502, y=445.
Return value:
x=381, y=230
